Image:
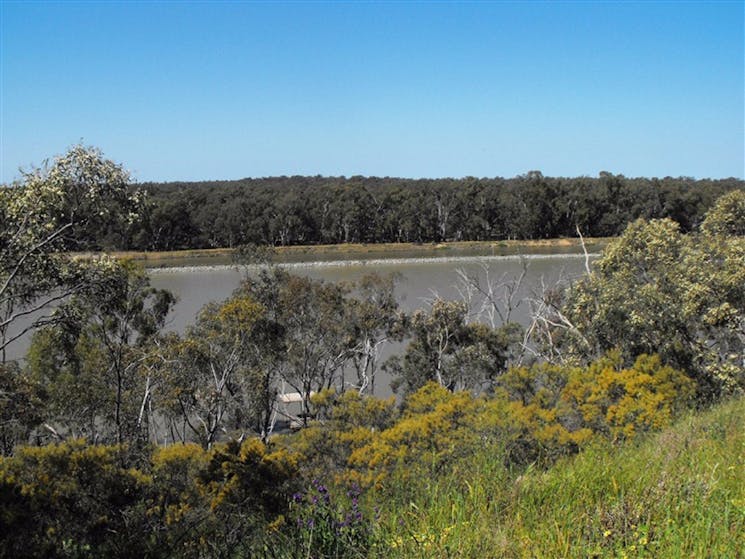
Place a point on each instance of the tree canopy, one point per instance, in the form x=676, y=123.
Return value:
x=296, y=210
x=66, y=205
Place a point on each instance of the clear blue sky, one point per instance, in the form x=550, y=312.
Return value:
x=224, y=90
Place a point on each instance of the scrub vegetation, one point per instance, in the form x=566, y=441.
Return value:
x=610, y=426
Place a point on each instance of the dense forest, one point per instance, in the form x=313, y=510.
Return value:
x=330, y=210
x=610, y=426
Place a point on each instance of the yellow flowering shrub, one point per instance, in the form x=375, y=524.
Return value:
x=620, y=402
x=436, y=426
x=346, y=421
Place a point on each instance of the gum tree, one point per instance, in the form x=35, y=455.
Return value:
x=215, y=379
x=96, y=363
x=51, y=211
x=375, y=320
x=656, y=290
x=445, y=349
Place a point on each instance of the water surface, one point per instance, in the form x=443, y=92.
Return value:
x=421, y=280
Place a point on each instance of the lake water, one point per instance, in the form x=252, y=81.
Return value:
x=421, y=280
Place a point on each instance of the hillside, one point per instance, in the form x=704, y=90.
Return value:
x=677, y=493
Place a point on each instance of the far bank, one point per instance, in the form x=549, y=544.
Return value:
x=315, y=253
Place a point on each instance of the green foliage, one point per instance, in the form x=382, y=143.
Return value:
x=229, y=501
x=326, y=525
x=213, y=378
x=76, y=392
x=177, y=498
x=547, y=411
x=332, y=210
x=531, y=420
x=451, y=474
x=447, y=350
x=727, y=216
x=81, y=500
x=345, y=422
x=537, y=415
x=95, y=364
x=249, y=487
x=679, y=493
x=21, y=405
x=250, y=475
x=436, y=426
x=70, y=500
x=57, y=208
x=373, y=317
x=657, y=291
x=621, y=402
x=310, y=321
x=658, y=322
x=435, y=336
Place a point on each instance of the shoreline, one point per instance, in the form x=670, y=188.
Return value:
x=354, y=254
x=368, y=262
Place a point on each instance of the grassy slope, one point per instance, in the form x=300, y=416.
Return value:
x=679, y=493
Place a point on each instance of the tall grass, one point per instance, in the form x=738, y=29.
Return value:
x=678, y=493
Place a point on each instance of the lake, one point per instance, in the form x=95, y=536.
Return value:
x=421, y=280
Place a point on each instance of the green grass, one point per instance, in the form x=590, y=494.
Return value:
x=678, y=493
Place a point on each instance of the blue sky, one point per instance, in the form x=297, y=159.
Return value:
x=225, y=90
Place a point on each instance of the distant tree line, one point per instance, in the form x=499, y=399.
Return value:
x=330, y=210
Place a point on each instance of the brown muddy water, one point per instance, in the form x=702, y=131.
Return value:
x=420, y=281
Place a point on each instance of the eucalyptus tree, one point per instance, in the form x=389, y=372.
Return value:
x=375, y=319
x=316, y=333
x=655, y=290
x=50, y=211
x=96, y=363
x=213, y=377
x=323, y=327
x=446, y=349
x=21, y=407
